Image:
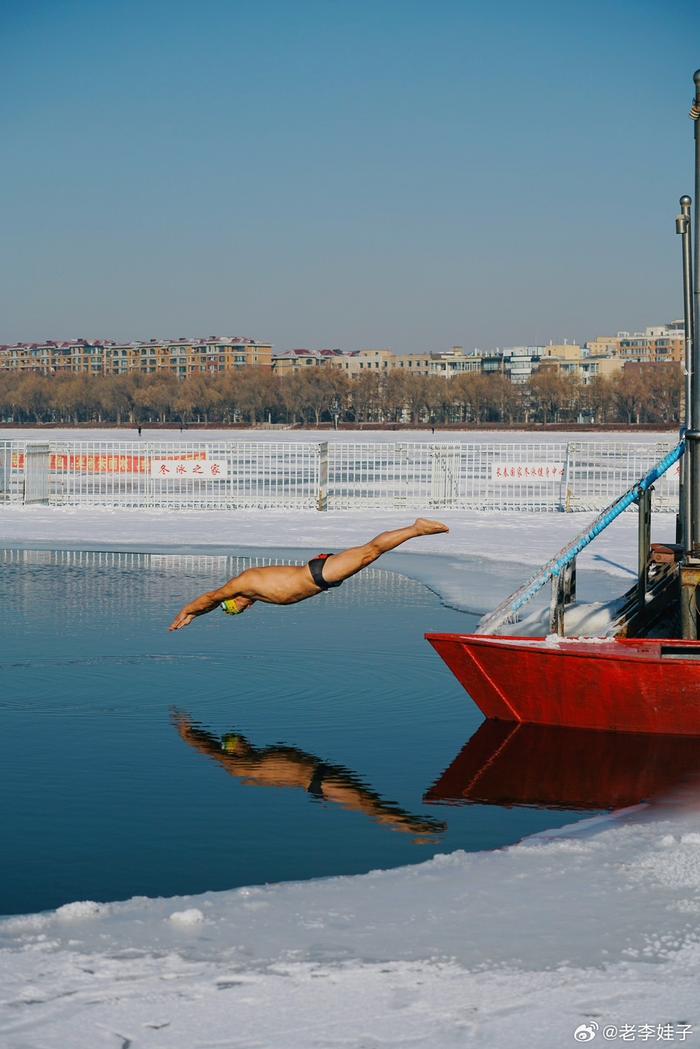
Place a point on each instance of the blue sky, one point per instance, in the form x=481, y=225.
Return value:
x=348, y=174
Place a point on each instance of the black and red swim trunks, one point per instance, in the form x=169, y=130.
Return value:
x=316, y=569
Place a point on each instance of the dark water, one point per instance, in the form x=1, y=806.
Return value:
x=137, y=762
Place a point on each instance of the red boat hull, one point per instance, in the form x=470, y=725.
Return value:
x=636, y=685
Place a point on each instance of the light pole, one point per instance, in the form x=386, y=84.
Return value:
x=693, y=434
x=683, y=226
x=690, y=567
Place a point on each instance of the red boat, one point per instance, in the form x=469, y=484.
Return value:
x=626, y=681
x=630, y=685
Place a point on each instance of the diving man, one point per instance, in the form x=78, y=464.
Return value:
x=288, y=584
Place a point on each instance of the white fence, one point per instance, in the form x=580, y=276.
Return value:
x=250, y=475
x=367, y=587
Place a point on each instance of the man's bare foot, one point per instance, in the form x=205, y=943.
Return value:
x=425, y=527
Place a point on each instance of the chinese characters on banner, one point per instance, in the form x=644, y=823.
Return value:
x=101, y=464
x=506, y=472
x=210, y=469
x=91, y=464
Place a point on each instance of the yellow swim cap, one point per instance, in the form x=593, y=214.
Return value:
x=230, y=607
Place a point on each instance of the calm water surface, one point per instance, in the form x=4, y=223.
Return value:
x=283, y=744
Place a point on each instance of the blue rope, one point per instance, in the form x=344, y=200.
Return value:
x=558, y=564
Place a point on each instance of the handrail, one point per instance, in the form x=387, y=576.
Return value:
x=512, y=604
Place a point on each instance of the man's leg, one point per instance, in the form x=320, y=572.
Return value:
x=341, y=566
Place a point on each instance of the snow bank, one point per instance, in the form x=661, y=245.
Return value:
x=504, y=949
x=67, y=433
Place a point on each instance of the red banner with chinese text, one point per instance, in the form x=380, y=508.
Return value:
x=103, y=464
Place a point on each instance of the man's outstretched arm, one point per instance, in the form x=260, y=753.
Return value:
x=208, y=602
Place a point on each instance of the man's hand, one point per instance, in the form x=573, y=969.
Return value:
x=199, y=607
x=182, y=619
x=208, y=602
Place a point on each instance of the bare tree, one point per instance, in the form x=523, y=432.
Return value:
x=395, y=395
x=316, y=391
x=34, y=395
x=473, y=392
x=197, y=396
x=115, y=396
x=73, y=397
x=630, y=392
x=663, y=383
x=257, y=393
x=157, y=394
x=552, y=394
x=366, y=397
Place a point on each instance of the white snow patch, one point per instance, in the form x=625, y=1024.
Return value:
x=554, y=640
x=500, y=950
x=677, y=866
x=126, y=433
x=82, y=909
x=192, y=916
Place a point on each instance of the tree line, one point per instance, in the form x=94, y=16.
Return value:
x=642, y=394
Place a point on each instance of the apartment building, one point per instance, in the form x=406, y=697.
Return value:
x=358, y=362
x=583, y=368
x=565, y=351
x=517, y=363
x=299, y=360
x=413, y=363
x=657, y=344
x=521, y=362
x=571, y=359
x=181, y=357
x=447, y=363
x=605, y=345
x=353, y=362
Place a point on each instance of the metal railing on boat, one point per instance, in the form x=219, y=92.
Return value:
x=560, y=569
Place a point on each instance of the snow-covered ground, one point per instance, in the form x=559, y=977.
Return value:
x=598, y=927
x=40, y=433
x=507, y=949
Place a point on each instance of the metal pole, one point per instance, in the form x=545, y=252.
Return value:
x=683, y=226
x=322, y=475
x=694, y=446
x=644, y=546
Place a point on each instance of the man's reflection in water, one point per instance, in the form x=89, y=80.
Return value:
x=282, y=766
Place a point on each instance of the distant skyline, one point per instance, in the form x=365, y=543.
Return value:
x=214, y=336
x=311, y=174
